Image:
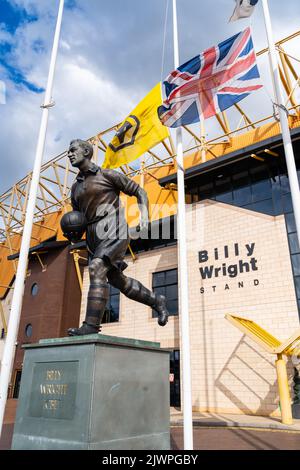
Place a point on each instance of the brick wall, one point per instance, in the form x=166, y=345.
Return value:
x=230, y=373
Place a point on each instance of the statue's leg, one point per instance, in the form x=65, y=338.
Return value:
x=96, y=301
x=134, y=290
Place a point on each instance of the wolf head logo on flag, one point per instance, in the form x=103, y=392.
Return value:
x=243, y=9
x=126, y=135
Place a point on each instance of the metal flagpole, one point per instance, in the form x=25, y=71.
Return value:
x=183, y=272
x=16, y=306
x=284, y=123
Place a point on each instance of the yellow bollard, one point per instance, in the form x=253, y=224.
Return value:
x=284, y=393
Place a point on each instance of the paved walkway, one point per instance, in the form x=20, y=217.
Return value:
x=213, y=432
x=230, y=420
x=217, y=439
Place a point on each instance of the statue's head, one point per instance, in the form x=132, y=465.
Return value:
x=79, y=151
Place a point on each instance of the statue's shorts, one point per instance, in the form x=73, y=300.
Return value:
x=108, y=242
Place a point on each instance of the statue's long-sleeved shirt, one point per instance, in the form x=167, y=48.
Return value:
x=96, y=193
x=99, y=188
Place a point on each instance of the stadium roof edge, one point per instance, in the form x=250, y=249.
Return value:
x=229, y=158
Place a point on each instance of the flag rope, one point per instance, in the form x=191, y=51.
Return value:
x=164, y=41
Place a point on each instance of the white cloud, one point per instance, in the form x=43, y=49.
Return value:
x=5, y=36
x=85, y=104
x=86, y=100
x=109, y=57
x=2, y=92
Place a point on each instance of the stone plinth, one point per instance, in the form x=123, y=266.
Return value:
x=94, y=392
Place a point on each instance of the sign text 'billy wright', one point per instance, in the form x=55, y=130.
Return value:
x=217, y=264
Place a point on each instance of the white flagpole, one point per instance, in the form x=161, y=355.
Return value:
x=183, y=272
x=9, y=350
x=285, y=130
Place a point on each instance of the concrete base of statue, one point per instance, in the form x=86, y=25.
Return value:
x=94, y=392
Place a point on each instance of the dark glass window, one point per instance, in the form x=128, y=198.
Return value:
x=241, y=189
x=175, y=378
x=293, y=241
x=223, y=190
x=166, y=283
x=111, y=314
x=285, y=185
x=194, y=195
x=261, y=190
x=241, y=179
x=297, y=286
x=287, y=203
x=17, y=384
x=266, y=207
x=171, y=276
x=206, y=191
x=242, y=196
x=259, y=173
x=276, y=191
x=290, y=223
x=296, y=264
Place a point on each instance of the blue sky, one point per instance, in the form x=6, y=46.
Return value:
x=110, y=56
x=13, y=17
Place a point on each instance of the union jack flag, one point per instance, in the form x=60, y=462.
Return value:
x=210, y=82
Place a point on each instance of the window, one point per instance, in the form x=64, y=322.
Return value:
x=296, y=264
x=111, y=314
x=287, y=203
x=17, y=384
x=297, y=286
x=175, y=378
x=34, y=289
x=223, y=190
x=206, y=191
x=276, y=193
x=265, y=207
x=2, y=333
x=28, y=330
x=166, y=283
x=290, y=223
x=261, y=190
x=285, y=185
x=293, y=241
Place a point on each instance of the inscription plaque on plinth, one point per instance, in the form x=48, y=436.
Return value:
x=93, y=392
x=53, y=390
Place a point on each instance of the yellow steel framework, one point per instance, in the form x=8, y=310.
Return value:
x=57, y=175
x=272, y=345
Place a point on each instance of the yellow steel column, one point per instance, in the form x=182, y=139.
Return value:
x=284, y=392
x=131, y=252
x=76, y=258
x=3, y=318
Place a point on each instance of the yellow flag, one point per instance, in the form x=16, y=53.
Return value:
x=140, y=131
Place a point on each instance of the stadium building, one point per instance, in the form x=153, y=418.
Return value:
x=243, y=259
